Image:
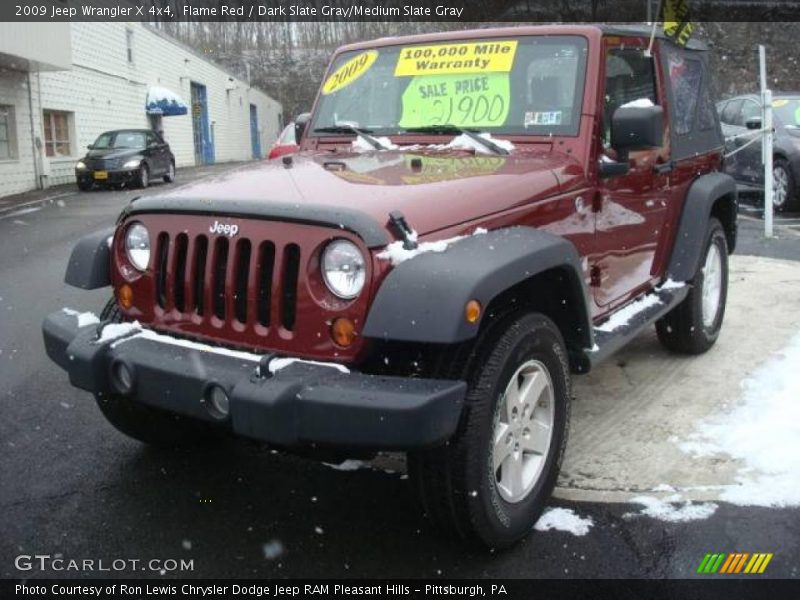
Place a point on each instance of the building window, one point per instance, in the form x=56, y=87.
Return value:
x=56, y=133
x=8, y=142
x=129, y=44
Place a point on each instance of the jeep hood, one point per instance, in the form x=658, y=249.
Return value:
x=434, y=190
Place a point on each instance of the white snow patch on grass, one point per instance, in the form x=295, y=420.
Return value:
x=763, y=432
x=397, y=254
x=668, y=510
x=564, y=519
x=84, y=319
x=625, y=314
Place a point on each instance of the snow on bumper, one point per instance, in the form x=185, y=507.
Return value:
x=296, y=403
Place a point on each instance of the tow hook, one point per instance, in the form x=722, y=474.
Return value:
x=262, y=370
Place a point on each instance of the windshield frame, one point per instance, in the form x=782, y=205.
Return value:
x=582, y=76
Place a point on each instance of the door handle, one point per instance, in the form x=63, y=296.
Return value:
x=664, y=167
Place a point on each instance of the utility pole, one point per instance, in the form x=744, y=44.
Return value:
x=766, y=146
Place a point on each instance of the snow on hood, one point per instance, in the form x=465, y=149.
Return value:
x=465, y=142
x=360, y=144
x=397, y=254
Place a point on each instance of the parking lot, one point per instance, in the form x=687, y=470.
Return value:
x=74, y=486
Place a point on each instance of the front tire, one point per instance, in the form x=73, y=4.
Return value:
x=147, y=424
x=489, y=484
x=693, y=326
x=143, y=176
x=84, y=186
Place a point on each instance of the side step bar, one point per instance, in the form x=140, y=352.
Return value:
x=625, y=324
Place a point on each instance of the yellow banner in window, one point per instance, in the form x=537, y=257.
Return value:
x=349, y=72
x=488, y=56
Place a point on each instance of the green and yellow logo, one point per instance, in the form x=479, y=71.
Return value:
x=737, y=562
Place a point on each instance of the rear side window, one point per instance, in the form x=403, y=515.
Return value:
x=685, y=75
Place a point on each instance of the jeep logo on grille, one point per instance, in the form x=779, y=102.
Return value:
x=224, y=229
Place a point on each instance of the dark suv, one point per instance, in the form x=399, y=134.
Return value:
x=472, y=218
x=125, y=157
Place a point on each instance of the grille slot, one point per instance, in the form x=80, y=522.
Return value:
x=242, y=274
x=162, y=251
x=233, y=282
x=291, y=271
x=265, y=270
x=220, y=262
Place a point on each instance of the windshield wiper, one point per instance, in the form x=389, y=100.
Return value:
x=453, y=130
x=364, y=133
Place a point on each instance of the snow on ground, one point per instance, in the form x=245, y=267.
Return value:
x=563, y=519
x=670, y=509
x=396, y=253
x=763, y=432
x=622, y=316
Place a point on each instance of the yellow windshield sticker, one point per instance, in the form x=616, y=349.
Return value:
x=463, y=100
x=780, y=102
x=474, y=57
x=349, y=72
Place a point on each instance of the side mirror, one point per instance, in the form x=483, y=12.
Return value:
x=753, y=123
x=90, y=147
x=300, y=123
x=636, y=128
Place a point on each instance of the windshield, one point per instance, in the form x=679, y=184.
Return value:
x=526, y=85
x=787, y=109
x=120, y=139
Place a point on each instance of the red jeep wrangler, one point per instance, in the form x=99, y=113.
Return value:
x=472, y=217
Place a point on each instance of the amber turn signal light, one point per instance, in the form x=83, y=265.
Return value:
x=343, y=332
x=125, y=296
x=472, y=311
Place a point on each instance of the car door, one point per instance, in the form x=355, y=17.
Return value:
x=728, y=116
x=748, y=159
x=631, y=208
x=157, y=151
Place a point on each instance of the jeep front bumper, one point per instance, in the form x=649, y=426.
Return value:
x=300, y=404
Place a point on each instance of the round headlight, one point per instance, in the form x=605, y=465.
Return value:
x=344, y=269
x=132, y=164
x=137, y=246
x=80, y=165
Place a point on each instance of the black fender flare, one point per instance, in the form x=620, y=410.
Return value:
x=697, y=207
x=423, y=299
x=89, y=266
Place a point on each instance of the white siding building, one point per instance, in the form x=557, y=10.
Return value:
x=62, y=84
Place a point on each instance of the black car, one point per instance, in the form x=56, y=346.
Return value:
x=126, y=157
x=741, y=114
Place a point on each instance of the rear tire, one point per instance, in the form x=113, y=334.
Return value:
x=467, y=487
x=784, y=196
x=170, y=176
x=693, y=326
x=144, y=423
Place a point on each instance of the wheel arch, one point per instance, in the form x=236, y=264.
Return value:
x=422, y=300
x=710, y=195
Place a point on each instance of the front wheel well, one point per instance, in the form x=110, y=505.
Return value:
x=556, y=293
x=724, y=210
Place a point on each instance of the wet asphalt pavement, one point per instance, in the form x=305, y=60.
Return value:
x=71, y=485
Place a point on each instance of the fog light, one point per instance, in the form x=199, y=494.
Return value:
x=217, y=401
x=343, y=332
x=122, y=377
x=125, y=296
x=472, y=311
